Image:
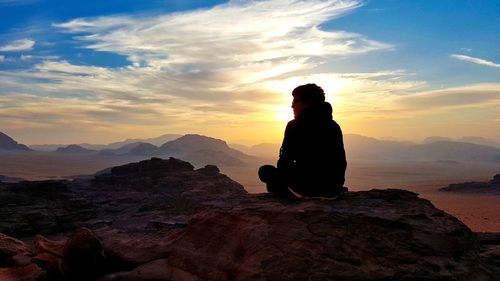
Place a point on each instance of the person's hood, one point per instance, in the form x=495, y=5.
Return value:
x=316, y=112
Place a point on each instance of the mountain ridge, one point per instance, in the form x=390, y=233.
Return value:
x=9, y=144
x=198, y=149
x=157, y=141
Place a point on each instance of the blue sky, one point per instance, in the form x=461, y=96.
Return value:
x=100, y=71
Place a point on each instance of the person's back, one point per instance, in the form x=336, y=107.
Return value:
x=312, y=159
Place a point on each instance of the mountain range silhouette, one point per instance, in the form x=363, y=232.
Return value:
x=195, y=148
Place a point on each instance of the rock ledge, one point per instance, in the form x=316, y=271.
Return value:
x=163, y=220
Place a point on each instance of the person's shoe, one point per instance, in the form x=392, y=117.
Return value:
x=326, y=197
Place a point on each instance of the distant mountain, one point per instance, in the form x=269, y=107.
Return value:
x=118, y=151
x=203, y=150
x=191, y=142
x=46, y=147
x=241, y=147
x=155, y=141
x=136, y=148
x=75, y=149
x=452, y=150
x=7, y=143
x=115, y=145
x=360, y=147
x=480, y=140
x=434, y=148
x=467, y=139
x=496, y=158
x=54, y=147
x=436, y=138
x=204, y=157
x=144, y=149
x=262, y=149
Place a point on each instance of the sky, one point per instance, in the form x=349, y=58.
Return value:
x=102, y=71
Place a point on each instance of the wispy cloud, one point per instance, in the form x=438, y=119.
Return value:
x=2, y=58
x=18, y=45
x=455, y=97
x=26, y=57
x=475, y=60
x=233, y=33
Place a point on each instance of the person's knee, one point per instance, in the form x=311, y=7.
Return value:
x=267, y=173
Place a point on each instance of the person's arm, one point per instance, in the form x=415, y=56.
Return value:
x=340, y=158
x=286, y=156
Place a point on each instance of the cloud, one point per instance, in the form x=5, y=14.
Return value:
x=210, y=55
x=229, y=34
x=452, y=98
x=2, y=58
x=26, y=57
x=475, y=60
x=18, y=45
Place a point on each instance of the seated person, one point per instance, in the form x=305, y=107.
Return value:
x=312, y=160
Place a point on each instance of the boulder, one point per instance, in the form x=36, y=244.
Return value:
x=129, y=250
x=83, y=256
x=158, y=270
x=48, y=255
x=13, y=252
x=30, y=272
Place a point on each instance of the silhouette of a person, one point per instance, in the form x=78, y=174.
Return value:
x=312, y=160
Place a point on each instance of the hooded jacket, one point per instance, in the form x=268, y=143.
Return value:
x=312, y=157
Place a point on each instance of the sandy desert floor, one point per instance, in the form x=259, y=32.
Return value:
x=39, y=166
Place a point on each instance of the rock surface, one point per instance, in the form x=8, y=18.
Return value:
x=164, y=220
x=490, y=187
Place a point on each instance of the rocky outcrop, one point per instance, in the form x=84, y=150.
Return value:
x=15, y=261
x=13, y=252
x=143, y=195
x=163, y=220
x=490, y=187
x=375, y=235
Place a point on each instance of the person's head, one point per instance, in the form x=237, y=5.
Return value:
x=305, y=95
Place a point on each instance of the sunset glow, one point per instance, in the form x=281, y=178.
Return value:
x=99, y=73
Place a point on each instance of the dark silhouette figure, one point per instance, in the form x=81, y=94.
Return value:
x=312, y=160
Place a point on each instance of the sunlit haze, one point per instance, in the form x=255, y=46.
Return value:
x=102, y=71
